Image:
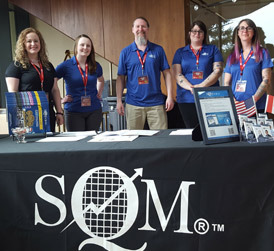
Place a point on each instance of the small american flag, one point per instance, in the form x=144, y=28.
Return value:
x=246, y=107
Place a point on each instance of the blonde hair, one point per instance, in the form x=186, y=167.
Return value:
x=21, y=55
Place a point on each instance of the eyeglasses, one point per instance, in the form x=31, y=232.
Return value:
x=242, y=28
x=195, y=32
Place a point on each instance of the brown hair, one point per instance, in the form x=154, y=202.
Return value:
x=202, y=26
x=236, y=51
x=91, y=57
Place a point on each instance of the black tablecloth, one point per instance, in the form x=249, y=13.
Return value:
x=190, y=196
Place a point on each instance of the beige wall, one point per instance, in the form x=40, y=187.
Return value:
x=3, y=122
x=57, y=43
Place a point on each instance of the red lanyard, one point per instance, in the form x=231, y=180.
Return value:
x=197, y=55
x=242, y=66
x=41, y=74
x=142, y=61
x=85, y=78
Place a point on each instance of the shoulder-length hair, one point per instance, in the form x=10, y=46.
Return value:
x=202, y=26
x=91, y=57
x=255, y=43
x=21, y=54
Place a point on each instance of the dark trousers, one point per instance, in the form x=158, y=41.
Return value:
x=189, y=114
x=52, y=117
x=83, y=121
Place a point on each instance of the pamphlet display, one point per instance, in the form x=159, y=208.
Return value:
x=257, y=130
x=29, y=110
x=217, y=114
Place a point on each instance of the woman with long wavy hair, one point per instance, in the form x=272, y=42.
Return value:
x=84, y=86
x=248, y=67
x=32, y=71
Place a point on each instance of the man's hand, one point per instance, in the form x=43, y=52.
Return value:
x=120, y=108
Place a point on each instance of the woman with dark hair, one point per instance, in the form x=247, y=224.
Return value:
x=32, y=71
x=84, y=86
x=196, y=65
x=248, y=67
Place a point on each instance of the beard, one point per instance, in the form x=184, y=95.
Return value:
x=141, y=40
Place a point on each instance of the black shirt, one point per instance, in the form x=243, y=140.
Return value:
x=29, y=77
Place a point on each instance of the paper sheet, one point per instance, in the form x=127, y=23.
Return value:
x=182, y=132
x=113, y=138
x=60, y=139
x=129, y=133
x=76, y=134
x=139, y=132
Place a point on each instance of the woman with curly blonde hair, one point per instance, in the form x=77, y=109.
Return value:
x=32, y=71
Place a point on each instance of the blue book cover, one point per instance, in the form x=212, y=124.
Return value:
x=29, y=109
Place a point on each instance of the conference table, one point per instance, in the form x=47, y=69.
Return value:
x=160, y=192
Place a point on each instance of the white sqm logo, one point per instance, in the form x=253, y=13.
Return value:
x=105, y=204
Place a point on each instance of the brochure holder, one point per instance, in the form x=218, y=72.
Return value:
x=218, y=120
x=28, y=109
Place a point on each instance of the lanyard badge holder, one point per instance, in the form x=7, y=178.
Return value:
x=85, y=100
x=241, y=84
x=40, y=73
x=143, y=79
x=197, y=74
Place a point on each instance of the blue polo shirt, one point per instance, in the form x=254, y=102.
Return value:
x=75, y=86
x=129, y=65
x=186, y=58
x=252, y=74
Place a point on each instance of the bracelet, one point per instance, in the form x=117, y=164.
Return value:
x=59, y=113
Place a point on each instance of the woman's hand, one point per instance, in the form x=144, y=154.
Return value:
x=67, y=99
x=59, y=119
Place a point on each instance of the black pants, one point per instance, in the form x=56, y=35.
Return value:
x=189, y=114
x=52, y=117
x=83, y=121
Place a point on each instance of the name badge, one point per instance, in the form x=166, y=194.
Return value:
x=197, y=75
x=143, y=80
x=240, y=86
x=85, y=101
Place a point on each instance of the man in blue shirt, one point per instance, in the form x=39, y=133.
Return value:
x=142, y=62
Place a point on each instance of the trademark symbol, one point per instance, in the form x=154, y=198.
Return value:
x=201, y=226
x=218, y=227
